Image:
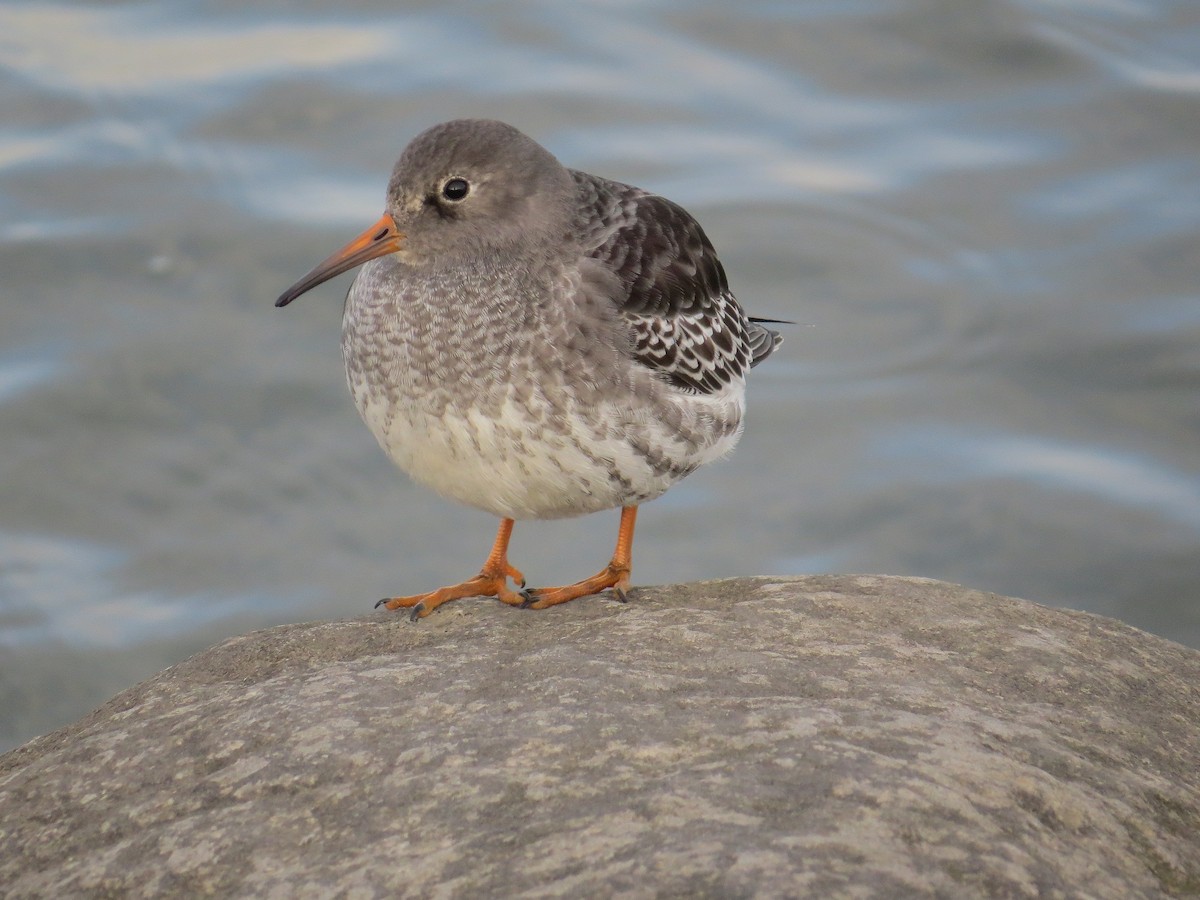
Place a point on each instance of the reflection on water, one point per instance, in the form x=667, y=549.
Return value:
x=61, y=593
x=1150, y=486
x=136, y=52
x=20, y=375
x=985, y=218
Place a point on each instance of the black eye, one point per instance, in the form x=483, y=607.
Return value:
x=455, y=189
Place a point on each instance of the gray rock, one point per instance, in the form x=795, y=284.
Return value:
x=823, y=736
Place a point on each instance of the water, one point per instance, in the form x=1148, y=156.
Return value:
x=986, y=218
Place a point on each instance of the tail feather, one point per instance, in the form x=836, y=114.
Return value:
x=763, y=341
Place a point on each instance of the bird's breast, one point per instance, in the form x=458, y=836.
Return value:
x=460, y=379
x=517, y=402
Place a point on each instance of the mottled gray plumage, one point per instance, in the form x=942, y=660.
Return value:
x=553, y=343
x=535, y=341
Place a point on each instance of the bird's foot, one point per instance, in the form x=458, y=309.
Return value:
x=612, y=576
x=485, y=584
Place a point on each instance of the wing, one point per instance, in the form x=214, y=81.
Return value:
x=674, y=296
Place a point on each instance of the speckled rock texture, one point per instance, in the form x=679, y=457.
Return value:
x=821, y=736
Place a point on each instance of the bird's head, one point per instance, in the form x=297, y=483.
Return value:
x=463, y=192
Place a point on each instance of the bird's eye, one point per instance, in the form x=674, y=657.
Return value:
x=456, y=189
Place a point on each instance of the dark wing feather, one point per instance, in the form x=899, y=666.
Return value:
x=674, y=296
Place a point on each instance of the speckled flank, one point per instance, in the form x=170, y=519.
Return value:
x=535, y=424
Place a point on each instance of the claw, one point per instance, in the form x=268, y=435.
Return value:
x=620, y=593
x=492, y=581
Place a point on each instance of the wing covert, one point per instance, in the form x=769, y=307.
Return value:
x=675, y=297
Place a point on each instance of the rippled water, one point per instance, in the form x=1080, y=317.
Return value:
x=985, y=216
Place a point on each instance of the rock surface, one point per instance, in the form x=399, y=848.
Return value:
x=820, y=736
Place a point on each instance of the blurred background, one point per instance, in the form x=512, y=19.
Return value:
x=985, y=218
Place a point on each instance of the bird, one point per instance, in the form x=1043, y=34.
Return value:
x=538, y=343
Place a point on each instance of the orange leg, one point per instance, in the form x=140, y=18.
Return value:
x=615, y=575
x=492, y=581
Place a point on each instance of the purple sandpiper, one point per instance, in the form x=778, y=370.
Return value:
x=538, y=342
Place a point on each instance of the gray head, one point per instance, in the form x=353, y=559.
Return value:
x=461, y=190
x=476, y=184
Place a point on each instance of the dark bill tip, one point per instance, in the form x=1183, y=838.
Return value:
x=378, y=240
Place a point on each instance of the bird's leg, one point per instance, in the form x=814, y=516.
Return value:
x=492, y=581
x=615, y=575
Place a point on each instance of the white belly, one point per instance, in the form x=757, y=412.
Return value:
x=512, y=464
x=494, y=463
